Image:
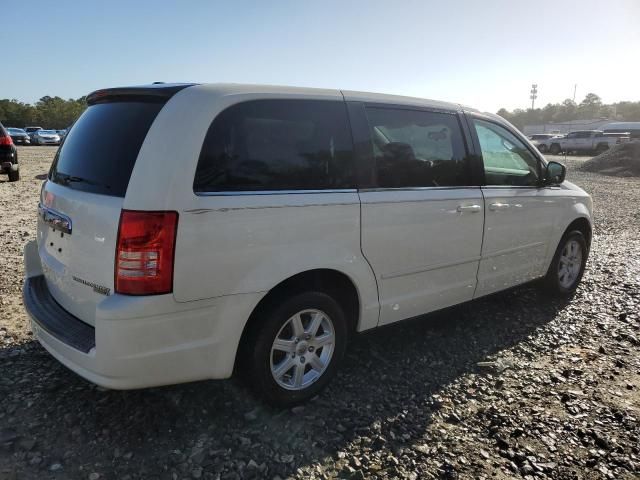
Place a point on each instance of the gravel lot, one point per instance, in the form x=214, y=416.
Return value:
x=516, y=385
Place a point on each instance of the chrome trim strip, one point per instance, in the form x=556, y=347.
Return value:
x=273, y=192
x=55, y=219
x=416, y=189
x=198, y=211
x=514, y=187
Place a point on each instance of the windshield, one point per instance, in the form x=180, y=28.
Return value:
x=47, y=132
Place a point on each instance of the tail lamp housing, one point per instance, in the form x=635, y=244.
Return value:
x=145, y=252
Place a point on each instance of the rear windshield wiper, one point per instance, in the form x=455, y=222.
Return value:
x=67, y=179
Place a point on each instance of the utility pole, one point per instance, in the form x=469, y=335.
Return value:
x=534, y=94
x=575, y=87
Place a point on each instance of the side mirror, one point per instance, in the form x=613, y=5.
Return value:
x=555, y=173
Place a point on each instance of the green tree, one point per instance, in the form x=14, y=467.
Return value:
x=590, y=107
x=48, y=112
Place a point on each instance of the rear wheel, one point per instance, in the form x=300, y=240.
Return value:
x=554, y=149
x=568, y=264
x=601, y=148
x=542, y=148
x=294, y=350
x=14, y=176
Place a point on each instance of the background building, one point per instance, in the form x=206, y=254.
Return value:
x=566, y=127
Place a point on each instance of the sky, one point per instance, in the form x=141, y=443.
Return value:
x=482, y=53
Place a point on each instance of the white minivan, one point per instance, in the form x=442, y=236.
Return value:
x=189, y=231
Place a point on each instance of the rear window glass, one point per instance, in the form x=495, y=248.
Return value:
x=99, y=152
x=277, y=145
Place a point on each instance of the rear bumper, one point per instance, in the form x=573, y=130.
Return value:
x=138, y=342
x=50, y=317
x=8, y=160
x=6, y=167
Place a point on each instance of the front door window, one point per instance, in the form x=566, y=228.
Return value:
x=507, y=161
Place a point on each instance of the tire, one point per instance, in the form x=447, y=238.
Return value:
x=14, y=176
x=601, y=148
x=561, y=281
x=278, y=375
x=543, y=148
x=554, y=149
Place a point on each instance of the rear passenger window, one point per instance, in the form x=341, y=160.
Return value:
x=277, y=145
x=417, y=148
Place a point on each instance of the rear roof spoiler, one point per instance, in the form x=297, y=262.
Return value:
x=159, y=92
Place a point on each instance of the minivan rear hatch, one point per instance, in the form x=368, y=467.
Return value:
x=82, y=199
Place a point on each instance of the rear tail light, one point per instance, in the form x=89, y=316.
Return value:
x=6, y=140
x=144, y=253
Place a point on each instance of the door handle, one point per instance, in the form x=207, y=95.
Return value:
x=499, y=206
x=469, y=208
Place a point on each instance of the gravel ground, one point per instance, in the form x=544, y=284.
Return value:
x=516, y=385
x=622, y=161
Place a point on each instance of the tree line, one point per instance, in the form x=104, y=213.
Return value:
x=48, y=112
x=58, y=113
x=589, y=108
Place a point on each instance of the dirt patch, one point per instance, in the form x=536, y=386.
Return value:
x=621, y=161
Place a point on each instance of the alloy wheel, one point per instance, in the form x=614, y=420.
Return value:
x=570, y=264
x=302, y=349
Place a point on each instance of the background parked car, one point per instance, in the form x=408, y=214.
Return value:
x=46, y=137
x=542, y=144
x=31, y=130
x=582, y=141
x=541, y=136
x=585, y=141
x=536, y=138
x=19, y=136
x=631, y=128
x=62, y=133
x=8, y=156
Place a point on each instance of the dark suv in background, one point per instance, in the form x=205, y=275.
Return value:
x=8, y=156
x=19, y=136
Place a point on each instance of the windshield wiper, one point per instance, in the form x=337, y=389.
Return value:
x=67, y=179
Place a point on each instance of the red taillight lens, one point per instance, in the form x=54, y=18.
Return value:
x=6, y=140
x=144, y=255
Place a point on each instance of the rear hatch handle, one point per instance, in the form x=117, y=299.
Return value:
x=55, y=219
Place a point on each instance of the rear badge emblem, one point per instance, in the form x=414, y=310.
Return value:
x=96, y=288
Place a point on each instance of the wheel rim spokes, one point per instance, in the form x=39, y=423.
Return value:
x=570, y=264
x=302, y=349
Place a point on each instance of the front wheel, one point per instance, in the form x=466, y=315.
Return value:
x=554, y=149
x=568, y=264
x=601, y=148
x=542, y=148
x=294, y=348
